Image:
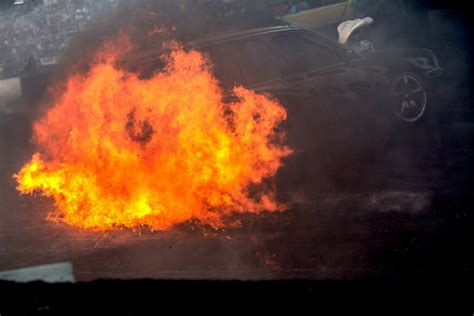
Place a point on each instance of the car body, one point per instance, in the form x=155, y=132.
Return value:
x=289, y=61
x=339, y=103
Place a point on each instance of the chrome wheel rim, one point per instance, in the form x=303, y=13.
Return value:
x=409, y=98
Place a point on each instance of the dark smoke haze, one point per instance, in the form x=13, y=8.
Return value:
x=354, y=216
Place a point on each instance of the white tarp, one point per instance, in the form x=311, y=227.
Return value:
x=346, y=28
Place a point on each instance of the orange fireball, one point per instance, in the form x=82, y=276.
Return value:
x=115, y=150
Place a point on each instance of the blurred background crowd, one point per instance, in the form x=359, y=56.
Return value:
x=35, y=33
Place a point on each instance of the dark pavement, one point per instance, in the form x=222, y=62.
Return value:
x=403, y=215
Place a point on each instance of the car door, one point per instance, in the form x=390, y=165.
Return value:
x=335, y=121
x=327, y=75
x=316, y=86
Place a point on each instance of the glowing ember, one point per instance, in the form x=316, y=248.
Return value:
x=119, y=151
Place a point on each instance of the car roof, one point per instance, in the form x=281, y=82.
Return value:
x=217, y=39
x=230, y=36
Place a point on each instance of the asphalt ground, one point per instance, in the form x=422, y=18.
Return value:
x=401, y=211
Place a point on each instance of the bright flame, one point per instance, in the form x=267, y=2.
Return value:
x=119, y=151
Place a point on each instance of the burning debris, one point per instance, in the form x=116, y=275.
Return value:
x=116, y=150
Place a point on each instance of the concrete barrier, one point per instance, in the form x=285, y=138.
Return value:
x=10, y=90
x=57, y=272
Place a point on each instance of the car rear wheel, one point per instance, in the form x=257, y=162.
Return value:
x=409, y=98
